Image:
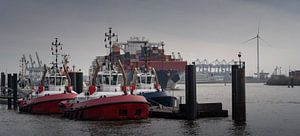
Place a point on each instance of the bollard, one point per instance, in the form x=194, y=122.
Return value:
x=190, y=91
x=9, y=85
x=238, y=93
x=2, y=83
x=15, y=90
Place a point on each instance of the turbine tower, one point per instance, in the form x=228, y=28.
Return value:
x=257, y=37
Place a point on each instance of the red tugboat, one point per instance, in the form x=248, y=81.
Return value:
x=109, y=100
x=53, y=89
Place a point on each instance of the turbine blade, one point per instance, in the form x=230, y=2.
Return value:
x=265, y=41
x=249, y=40
x=258, y=28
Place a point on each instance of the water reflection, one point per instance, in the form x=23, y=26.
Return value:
x=239, y=129
x=116, y=127
x=190, y=128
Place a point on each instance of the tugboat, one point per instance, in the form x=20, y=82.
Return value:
x=108, y=99
x=145, y=82
x=53, y=88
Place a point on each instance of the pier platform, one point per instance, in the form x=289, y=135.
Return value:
x=203, y=110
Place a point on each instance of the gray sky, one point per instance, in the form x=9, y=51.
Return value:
x=212, y=29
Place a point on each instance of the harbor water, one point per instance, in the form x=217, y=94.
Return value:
x=271, y=110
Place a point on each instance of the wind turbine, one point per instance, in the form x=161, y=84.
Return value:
x=257, y=37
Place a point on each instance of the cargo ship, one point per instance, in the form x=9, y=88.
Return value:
x=138, y=52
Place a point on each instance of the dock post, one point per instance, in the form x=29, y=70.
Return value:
x=190, y=92
x=234, y=88
x=238, y=93
x=2, y=83
x=9, y=85
x=292, y=82
x=15, y=90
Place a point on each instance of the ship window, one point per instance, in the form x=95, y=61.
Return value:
x=123, y=112
x=143, y=79
x=58, y=81
x=52, y=81
x=99, y=79
x=138, y=112
x=149, y=79
x=106, y=79
x=139, y=79
x=120, y=79
x=114, y=79
x=65, y=81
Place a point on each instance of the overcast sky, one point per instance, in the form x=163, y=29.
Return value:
x=211, y=29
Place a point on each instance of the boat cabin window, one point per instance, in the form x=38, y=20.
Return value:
x=120, y=79
x=145, y=79
x=114, y=79
x=55, y=81
x=99, y=79
x=106, y=79
x=51, y=81
x=58, y=80
x=64, y=81
x=149, y=79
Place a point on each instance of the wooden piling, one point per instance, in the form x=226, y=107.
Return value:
x=15, y=90
x=238, y=93
x=9, y=85
x=234, y=88
x=190, y=92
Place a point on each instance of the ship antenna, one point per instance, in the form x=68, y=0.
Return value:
x=108, y=38
x=55, y=52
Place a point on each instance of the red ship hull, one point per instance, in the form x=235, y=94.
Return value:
x=125, y=107
x=45, y=104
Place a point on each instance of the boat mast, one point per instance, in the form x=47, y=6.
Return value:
x=108, y=38
x=55, y=52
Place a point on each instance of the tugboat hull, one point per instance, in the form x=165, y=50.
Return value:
x=160, y=98
x=45, y=104
x=125, y=107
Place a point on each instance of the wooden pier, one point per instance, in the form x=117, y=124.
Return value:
x=191, y=110
x=204, y=110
